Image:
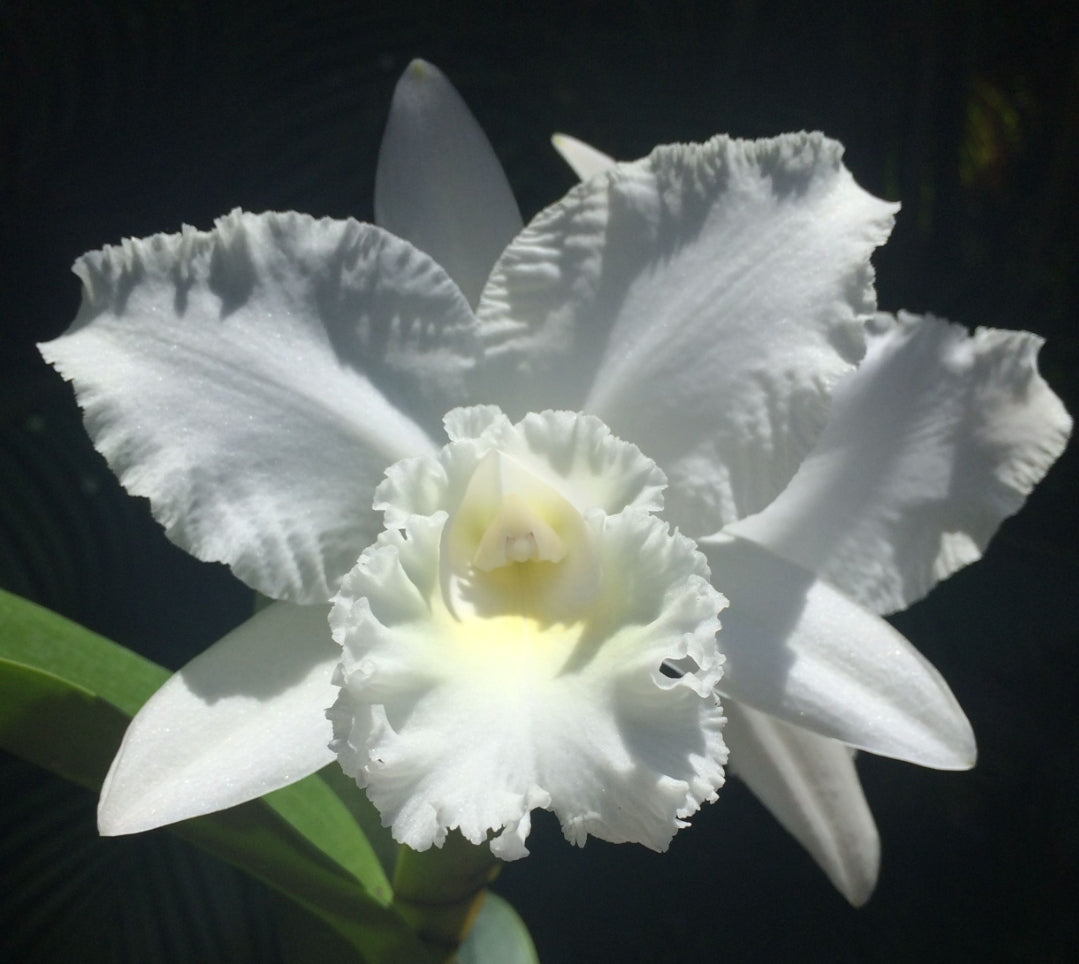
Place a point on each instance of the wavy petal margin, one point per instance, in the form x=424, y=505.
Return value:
x=937, y=438
x=246, y=381
x=470, y=718
x=702, y=302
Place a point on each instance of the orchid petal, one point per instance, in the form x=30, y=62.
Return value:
x=799, y=650
x=539, y=683
x=438, y=182
x=576, y=455
x=702, y=302
x=935, y=440
x=810, y=785
x=584, y=159
x=245, y=381
x=245, y=717
x=472, y=725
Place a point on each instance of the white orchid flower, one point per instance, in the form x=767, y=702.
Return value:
x=505, y=637
x=704, y=310
x=933, y=441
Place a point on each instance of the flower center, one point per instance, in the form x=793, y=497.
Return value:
x=513, y=544
x=503, y=637
x=518, y=533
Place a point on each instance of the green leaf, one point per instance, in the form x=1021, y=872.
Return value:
x=57, y=724
x=70, y=895
x=39, y=638
x=499, y=936
x=266, y=850
x=366, y=816
x=66, y=695
x=313, y=808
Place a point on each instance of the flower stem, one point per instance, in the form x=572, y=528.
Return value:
x=440, y=891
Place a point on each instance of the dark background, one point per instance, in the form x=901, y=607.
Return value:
x=120, y=118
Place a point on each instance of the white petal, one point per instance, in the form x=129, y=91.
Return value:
x=243, y=718
x=702, y=302
x=801, y=651
x=584, y=159
x=245, y=381
x=473, y=723
x=935, y=440
x=574, y=454
x=438, y=182
x=811, y=787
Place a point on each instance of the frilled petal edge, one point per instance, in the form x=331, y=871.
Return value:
x=574, y=454
x=537, y=681
x=246, y=381
x=936, y=439
x=702, y=302
x=471, y=726
x=243, y=718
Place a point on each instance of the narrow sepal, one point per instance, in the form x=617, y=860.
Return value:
x=801, y=651
x=439, y=184
x=809, y=784
x=245, y=717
